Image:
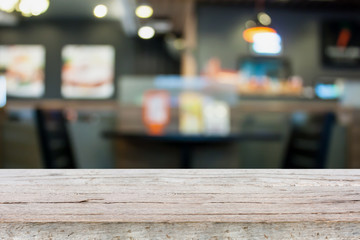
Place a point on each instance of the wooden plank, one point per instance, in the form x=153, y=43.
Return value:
x=201, y=231
x=180, y=204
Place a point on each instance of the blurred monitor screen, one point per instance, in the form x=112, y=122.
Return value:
x=2, y=91
x=268, y=76
x=327, y=91
x=258, y=67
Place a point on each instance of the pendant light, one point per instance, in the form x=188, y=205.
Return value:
x=144, y=10
x=264, y=39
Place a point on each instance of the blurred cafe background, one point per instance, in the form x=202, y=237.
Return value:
x=179, y=84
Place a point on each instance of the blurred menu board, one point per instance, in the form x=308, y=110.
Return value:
x=88, y=71
x=24, y=69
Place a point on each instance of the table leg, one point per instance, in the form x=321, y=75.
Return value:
x=186, y=156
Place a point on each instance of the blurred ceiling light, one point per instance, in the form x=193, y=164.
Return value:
x=249, y=33
x=267, y=43
x=264, y=39
x=144, y=11
x=100, y=11
x=39, y=7
x=264, y=19
x=146, y=32
x=8, y=5
x=27, y=8
x=30, y=8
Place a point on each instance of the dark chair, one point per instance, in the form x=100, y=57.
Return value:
x=309, y=142
x=54, y=139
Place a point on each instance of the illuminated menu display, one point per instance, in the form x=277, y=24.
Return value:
x=88, y=71
x=24, y=70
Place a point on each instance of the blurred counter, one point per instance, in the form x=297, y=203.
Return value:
x=248, y=114
x=243, y=105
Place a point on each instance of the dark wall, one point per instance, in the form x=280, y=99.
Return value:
x=133, y=55
x=220, y=35
x=151, y=57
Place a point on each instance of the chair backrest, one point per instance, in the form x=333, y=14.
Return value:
x=54, y=139
x=309, y=141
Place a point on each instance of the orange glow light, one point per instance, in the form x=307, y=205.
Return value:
x=249, y=33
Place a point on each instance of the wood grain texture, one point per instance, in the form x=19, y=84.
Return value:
x=180, y=231
x=180, y=204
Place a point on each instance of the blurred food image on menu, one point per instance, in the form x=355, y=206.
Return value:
x=24, y=69
x=88, y=71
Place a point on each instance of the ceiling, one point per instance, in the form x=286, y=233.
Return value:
x=81, y=9
x=295, y=4
x=166, y=8
x=174, y=11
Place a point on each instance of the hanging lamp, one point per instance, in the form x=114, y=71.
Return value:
x=264, y=39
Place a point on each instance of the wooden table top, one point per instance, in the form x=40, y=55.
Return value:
x=174, y=196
